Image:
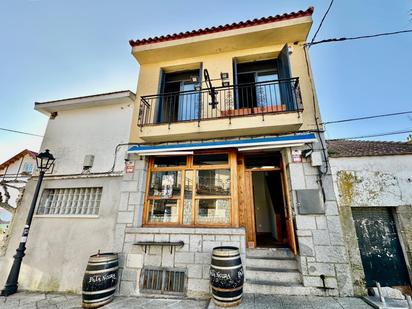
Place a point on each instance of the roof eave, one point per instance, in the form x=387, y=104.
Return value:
x=97, y=100
x=277, y=33
x=225, y=28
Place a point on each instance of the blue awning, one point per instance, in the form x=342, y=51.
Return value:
x=254, y=143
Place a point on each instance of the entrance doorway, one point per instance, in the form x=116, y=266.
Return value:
x=269, y=207
x=264, y=203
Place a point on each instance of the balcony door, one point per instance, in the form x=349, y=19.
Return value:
x=264, y=85
x=257, y=85
x=179, y=100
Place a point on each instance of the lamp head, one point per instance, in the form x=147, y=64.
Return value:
x=44, y=160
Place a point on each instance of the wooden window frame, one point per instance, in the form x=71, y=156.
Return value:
x=231, y=165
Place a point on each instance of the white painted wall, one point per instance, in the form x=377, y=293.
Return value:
x=58, y=248
x=96, y=130
x=374, y=181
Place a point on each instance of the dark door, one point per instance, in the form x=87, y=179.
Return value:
x=179, y=101
x=379, y=245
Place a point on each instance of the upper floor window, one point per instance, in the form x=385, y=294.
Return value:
x=27, y=168
x=197, y=193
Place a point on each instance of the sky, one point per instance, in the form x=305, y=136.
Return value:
x=54, y=49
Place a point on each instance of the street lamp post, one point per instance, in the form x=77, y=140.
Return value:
x=44, y=161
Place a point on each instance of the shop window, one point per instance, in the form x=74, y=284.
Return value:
x=198, y=193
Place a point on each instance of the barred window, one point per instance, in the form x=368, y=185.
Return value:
x=70, y=201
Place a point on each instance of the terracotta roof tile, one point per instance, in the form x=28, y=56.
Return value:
x=237, y=25
x=354, y=148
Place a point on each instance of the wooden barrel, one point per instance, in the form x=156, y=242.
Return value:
x=226, y=276
x=100, y=280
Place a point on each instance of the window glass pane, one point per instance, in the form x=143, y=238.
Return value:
x=163, y=210
x=210, y=159
x=267, y=92
x=70, y=201
x=165, y=184
x=213, y=211
x=263, y=161
x=169, y=161
x=213, y=182
x=188, y=194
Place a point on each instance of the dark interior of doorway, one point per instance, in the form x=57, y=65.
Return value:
x=269, y=209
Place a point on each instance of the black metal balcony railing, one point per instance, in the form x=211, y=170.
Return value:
x=232, y=101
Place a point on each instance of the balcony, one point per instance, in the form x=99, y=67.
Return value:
x=236, y=110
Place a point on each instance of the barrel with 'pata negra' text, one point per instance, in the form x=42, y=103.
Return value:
x=100, y=280
x=226, y=276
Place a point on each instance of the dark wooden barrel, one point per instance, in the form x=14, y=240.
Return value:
x=100, y=280
x=226, y=276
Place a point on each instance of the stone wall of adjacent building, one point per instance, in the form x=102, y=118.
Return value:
x=373, y=181
x=403, y=216
x=321, y=246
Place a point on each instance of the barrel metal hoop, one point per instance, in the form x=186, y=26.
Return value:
x=103, y=300
x=226, y=258
x=227, y=299
x=227, y=290
x=99, y=292
x=101, y=271
x=103, y=258
x=226, y=267
x=224, y=253
x=102, y=263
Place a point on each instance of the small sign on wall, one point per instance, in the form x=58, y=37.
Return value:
x=129, y=166
x=297, y=156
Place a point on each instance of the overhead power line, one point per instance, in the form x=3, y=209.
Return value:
x=321, y=23
x=367, y=117
x=20, y=132
x=358, y=37
x=377, y=135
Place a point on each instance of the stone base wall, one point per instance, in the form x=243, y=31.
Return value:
x=194, y=256
x=321, y=247
x=403, y=216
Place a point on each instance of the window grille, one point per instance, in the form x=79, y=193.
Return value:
x=70, y=201
x=163, y=280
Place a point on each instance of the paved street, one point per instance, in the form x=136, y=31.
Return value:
x=64, y=301
x=253, y=301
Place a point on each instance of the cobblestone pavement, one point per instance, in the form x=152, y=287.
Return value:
x=254, y=301
x=28, y=300
x=250, y=301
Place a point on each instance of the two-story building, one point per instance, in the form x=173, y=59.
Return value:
x=229, y=151
x=225, y=148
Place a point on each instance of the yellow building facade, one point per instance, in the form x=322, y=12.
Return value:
x=227, y=143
